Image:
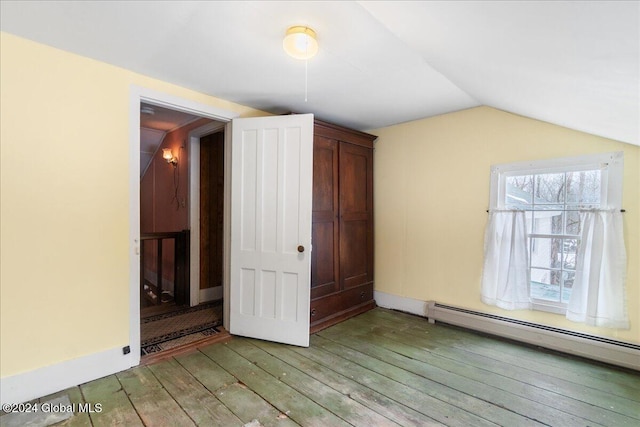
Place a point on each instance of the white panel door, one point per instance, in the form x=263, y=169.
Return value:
x=271, y=179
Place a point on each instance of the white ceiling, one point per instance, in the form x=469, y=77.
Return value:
x=573, y=63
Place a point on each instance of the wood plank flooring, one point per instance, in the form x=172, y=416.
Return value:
x=382, y=368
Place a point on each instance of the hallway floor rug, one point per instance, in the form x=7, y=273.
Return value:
x=177, y=328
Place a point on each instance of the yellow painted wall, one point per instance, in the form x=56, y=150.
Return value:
x=64, y=202
x=431, y=195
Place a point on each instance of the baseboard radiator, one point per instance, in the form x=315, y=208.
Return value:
x=606, y=350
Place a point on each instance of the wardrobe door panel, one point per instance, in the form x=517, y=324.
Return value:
x=323, y=263
x=356, y=215
x=325, y=221
x=325, y=175
x=354, y=167
x=354, y=259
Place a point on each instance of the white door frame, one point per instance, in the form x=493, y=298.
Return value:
x=137, y=95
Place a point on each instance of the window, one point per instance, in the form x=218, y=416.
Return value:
x=553, y=193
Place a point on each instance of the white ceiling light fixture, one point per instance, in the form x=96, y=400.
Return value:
x=300, y=42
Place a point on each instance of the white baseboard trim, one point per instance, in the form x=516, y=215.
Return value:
x=210, y=294
x=395, y=302
x=52, y=379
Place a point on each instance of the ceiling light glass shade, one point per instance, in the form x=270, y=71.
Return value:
x=300, y=42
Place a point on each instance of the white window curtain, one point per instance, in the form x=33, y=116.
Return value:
x=505, y=276
x=598, y=295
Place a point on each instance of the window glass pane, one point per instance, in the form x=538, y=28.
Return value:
x=569, y=261
x=519, y=190
x=572, y=219
x=583, y=187
x=547, y=222
x=540, y=252
x=549, y=188
x=570, y=249
x=546, y=253
x=556, y=253
x=569, y=277
x=545, y=284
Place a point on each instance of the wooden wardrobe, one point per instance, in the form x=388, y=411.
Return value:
x=342, y=225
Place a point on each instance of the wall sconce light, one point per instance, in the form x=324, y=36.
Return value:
x=168, y=156
x=300, y=42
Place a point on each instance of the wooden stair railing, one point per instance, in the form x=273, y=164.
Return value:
x=180, y=270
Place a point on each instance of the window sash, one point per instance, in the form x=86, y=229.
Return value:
x=553, y=236
x=610, y=164
x=561, y=302
x=610, y=167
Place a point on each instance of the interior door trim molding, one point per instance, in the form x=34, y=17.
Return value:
x=138, y=94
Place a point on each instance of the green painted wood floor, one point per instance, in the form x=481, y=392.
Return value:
x=380, y=368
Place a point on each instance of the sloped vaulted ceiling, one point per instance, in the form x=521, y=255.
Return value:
x=573, y=63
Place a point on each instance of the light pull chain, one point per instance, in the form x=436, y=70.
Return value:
x=306, y=63
x=306, y=79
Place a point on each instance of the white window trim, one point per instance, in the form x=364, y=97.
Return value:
x=611, y=176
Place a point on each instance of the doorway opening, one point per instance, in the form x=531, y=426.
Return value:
x=181, y=289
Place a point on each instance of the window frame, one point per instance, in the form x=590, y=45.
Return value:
x=611, y=176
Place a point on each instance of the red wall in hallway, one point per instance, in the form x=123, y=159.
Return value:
x=164, y=194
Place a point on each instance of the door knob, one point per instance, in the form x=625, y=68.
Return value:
x=300, y=248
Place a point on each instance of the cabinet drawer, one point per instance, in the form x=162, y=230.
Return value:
x=340, y=301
